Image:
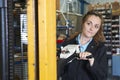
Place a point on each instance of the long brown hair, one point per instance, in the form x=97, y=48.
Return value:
x=99, y=35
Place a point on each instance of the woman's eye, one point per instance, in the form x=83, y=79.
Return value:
x=96, y=27
x=88, y=23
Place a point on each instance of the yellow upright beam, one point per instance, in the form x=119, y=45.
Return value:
x=31, y=39
x=47, y=39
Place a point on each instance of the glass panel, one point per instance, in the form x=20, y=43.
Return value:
x=20, y=39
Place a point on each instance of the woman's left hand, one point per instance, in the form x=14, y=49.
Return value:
x=84, y=55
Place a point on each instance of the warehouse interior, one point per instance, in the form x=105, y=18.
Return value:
x=14, y=33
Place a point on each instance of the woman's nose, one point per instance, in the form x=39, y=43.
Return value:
x=92, y=27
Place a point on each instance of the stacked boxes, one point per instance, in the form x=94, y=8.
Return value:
x=99, y=6
x=115, y=8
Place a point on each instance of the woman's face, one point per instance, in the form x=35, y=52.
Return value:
x=91, y=26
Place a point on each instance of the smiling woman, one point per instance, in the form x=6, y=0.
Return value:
x=96, y=19
x=91, y=42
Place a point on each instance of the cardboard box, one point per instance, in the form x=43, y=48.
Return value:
x=57, y=4
x=107, y=5
x=91, y=7
x=115, y=5
x=116, y=12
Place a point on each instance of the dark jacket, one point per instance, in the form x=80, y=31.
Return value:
x=81, y=69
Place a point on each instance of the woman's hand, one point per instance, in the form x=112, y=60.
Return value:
x=84, y=55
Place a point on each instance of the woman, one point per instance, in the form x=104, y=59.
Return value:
x=91, y=41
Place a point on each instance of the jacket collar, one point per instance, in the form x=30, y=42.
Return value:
x=92, y=47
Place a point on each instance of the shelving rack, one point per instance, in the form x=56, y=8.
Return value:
x=20, y=40
x=69, y=11
x=115, y=34
x=107, y=15
x=107, y=29
x=116, y=45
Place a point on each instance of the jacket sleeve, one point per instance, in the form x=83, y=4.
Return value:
x=99, y=68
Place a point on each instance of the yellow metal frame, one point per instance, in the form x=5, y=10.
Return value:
x=47, y=39
x=31, y=39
